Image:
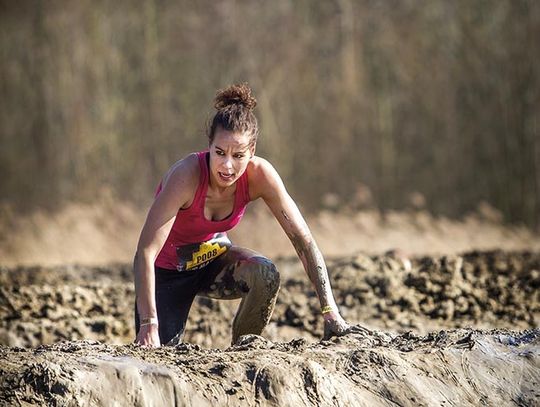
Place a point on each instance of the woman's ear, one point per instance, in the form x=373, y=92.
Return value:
x=252, y=151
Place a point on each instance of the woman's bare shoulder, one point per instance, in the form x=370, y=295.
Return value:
x=259, y=166
x=185, y=171
x=262, y=177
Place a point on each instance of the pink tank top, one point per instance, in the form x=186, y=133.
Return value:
x=191, y=226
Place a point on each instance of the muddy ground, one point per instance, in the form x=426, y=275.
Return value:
x=451, y=330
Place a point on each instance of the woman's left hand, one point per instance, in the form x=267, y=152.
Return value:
x=335, y=325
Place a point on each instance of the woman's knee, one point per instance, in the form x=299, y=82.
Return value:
x=264, y=273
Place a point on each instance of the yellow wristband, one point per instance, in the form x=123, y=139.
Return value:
x=327, y=309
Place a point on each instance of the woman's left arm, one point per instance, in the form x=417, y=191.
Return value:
x=266, y=183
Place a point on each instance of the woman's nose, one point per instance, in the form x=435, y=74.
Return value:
x=227, y=163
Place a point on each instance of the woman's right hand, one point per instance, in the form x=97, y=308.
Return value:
x=148, y=335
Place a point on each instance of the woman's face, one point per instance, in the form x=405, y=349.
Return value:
x=229, y=156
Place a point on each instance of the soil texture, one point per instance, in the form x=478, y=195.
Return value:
x=440, y=330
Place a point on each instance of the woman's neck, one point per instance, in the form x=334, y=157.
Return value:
x=217, y=190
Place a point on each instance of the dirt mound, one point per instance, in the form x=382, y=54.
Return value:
x=464, y=367
x=480, y=289
x=412, y=353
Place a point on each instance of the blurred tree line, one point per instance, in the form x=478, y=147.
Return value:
x=436, y=97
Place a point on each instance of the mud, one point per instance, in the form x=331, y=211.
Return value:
x=458, y=367
x=487, y=290
x=447, y=330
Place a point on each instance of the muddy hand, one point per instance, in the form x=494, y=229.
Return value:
x=148, y=335
x=335, y=325
x=359, y=329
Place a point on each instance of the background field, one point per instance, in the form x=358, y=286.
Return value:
x=423, y=104
x=407, y=131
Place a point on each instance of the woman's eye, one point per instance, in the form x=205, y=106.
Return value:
x=239, y=156
x=220, y=152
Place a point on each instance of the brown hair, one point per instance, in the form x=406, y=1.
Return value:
x=235, y=106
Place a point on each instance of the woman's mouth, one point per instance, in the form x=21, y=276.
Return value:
x=225, y=177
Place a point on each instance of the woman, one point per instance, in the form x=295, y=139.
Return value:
x=183, y=250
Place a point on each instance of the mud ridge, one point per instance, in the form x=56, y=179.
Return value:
x=455, y=367
x=447, y=330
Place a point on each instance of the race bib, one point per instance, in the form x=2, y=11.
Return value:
x=198, y=255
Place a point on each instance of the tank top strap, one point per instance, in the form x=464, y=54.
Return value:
x=200, y=195
x=243, y=183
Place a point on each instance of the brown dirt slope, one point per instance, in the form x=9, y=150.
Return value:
x=458, y=367
x=446, y=330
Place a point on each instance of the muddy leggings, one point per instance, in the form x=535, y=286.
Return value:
x=238, y=273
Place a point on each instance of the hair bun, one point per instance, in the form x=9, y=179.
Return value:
x=235, y=95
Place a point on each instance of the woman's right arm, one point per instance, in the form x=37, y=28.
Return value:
x=177, y=190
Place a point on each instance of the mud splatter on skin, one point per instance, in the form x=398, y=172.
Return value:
x=313, y=261
x=254, y=279
x=228, y=285
x=257, y=306
x=315, y=267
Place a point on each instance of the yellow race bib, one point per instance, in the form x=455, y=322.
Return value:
x=198, y=255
